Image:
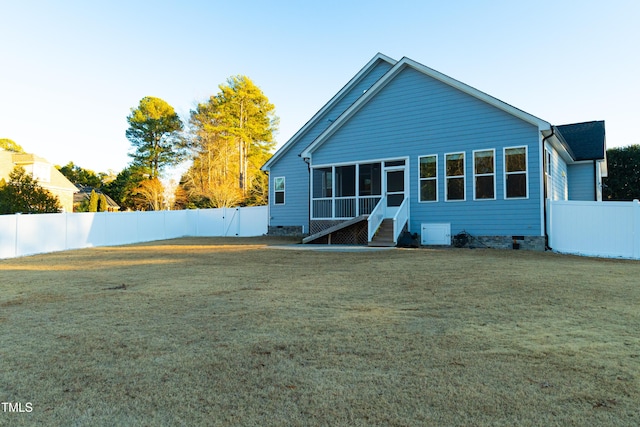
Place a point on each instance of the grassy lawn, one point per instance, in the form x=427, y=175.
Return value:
x=233, y=332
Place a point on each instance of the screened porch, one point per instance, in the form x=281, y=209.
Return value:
x=348, y=191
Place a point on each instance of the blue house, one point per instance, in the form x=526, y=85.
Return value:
x=404, y=147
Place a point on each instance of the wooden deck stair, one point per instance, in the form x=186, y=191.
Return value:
x=384, y=235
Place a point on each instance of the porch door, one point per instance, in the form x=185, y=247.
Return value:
x=394, y=189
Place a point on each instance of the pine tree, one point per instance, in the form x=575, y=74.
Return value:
x=232, y=138
x=154, y=131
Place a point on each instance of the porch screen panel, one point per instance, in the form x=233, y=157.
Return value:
x=369, y=186
x=370, y=179
x=322, y=183
x=346, y=181
x=322, y=206
x=345, y=186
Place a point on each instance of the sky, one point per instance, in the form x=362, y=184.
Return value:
x=71, y=71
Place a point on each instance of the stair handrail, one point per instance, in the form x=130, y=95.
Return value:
x=400, y=219
x=376, y=217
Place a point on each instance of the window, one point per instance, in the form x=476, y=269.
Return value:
x=515, y=172
x=278, y=190
x=428, y=178
x=484, y=174
x=548, y=190
x=454, y=172
x=392, y=163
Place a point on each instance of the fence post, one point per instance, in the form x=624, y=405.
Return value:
x=224, y=221
x=635, y=215
x=66, y=230
x=238, y=210
x=549, y=224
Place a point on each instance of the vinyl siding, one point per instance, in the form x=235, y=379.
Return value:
x=416, y=115
x=559, y=188
x=295, y=211
x=581, y=181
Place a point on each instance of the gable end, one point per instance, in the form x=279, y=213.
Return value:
x=391, y=74
x=327, y=107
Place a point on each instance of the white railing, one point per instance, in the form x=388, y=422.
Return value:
x=42, y=233
x=376, y=217
x=322, y=208
x=400, y=219
x=602, y=229
x=366, y=204
x=345, y=207
x=342, y=207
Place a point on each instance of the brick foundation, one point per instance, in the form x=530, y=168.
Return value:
x=285, y=231
x=529, y=243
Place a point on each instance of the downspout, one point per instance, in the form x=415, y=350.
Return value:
x=546, y=190
x=306, y=160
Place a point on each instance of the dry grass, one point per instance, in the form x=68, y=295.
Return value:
x=229, y=332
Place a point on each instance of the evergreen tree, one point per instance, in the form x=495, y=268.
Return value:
x=93, y=201
x=122, y=187
x=103, y=206
x=623, y=167
x=232, y=138
x=81, y=176
x=23, y=194
x=155, y=133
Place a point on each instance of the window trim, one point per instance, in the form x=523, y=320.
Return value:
x=420, y=179
x=475, y=175
x=526, y=172
x=283, y=191
x=463, y=176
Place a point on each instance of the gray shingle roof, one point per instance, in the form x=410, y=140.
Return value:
x=586, y=141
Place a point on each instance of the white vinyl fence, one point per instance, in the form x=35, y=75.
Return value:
x=33, y=234
x=602, y=229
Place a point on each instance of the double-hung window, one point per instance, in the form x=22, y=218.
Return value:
x=428, y=178
x=484, y=175
x=515, y=173
x=278, y=190
x=454, y=176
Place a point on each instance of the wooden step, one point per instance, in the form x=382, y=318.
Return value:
x=384, y=235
